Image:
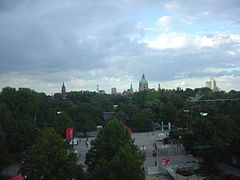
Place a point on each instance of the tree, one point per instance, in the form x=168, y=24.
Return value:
x=24, y=133
x=109, y=152
x=168, y=112
x=5, y=157
x=142, y=120
x=50, y=159
x=62, y=122
x=84, y=123
x=126, y=164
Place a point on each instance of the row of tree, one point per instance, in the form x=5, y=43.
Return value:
x=113, y=155
x=24, y=114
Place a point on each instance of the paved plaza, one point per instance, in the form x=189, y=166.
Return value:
x=147, y=142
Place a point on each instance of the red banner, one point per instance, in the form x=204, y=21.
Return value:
x=69, y=134
x=165, y=161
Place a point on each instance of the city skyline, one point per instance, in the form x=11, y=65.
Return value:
x=211, y=83
x=109, y=43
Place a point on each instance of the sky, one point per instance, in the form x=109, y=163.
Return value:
x=110, y=43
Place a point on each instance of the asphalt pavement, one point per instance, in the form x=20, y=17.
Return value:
x=146, y=141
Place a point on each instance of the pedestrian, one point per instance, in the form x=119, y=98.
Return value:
x=155, y=162
x=144, y=149
x=153, y=154
x=141, y=149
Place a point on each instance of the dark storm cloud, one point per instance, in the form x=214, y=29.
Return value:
x=52, y=40
x=46, y=36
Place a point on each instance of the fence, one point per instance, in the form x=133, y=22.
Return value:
x=162, y=169
x=175, y=150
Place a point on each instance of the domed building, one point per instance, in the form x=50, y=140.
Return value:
x=143, y=83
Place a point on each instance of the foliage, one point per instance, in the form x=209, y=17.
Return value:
x=142, y=119
x=126, y=164
x=107, y=154
x=25, y=113
x=50, y=159
x=5, y=157
x=168, y=113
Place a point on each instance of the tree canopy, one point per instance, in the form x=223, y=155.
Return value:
x=114, y=155
x=24, y=114
x=50, y=159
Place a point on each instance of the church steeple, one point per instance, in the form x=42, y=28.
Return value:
x=63, y=89
x=143, y=83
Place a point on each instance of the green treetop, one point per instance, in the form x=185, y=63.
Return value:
x=50, y=159
x=112, y=152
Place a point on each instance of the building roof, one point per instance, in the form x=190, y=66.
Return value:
x=143, y=80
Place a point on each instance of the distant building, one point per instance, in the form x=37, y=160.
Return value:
x=212, y=85
x=128, y=91
x=63, y=91
x=101, y=92
x=178, y=88
x=159, y=87
x=114, y=91
x=131, y=89
x=143, y=84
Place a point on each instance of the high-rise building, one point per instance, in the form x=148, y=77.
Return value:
x=143, y=83
x=131, y=89
x=114, y=90
x=212, y=84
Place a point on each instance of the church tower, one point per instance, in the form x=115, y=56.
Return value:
x=143, y=83
x=63, y=90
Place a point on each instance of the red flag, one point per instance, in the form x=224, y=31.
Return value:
x=69, y=134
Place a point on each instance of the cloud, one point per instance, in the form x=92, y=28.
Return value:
x=167, y=41
x=86, y=43
x=164, y=22
x=218, y=10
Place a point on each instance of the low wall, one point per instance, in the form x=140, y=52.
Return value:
x=180, y=177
